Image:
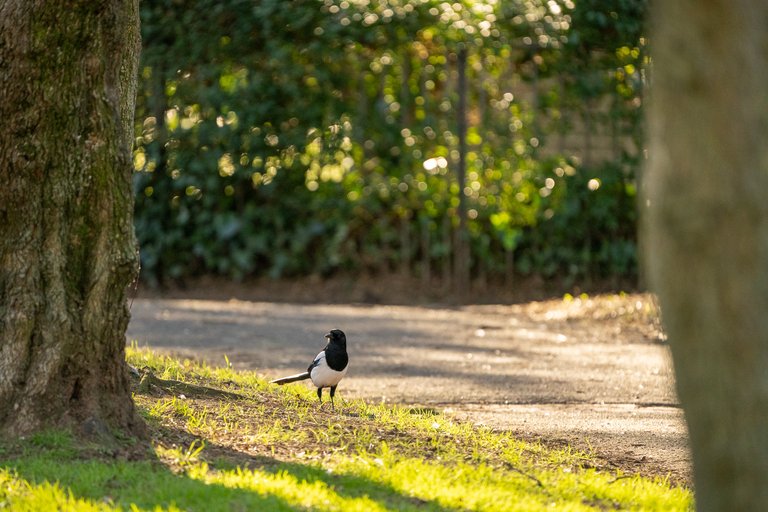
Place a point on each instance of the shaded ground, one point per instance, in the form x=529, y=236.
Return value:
x=593, y=373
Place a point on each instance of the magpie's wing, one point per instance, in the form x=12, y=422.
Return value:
x=319, y=360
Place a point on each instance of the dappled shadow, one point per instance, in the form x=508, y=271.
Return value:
x=146, y=484
x=345, y=485
x=150, y=484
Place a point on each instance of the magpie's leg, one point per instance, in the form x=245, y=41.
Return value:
x=333, y=392
x=320, y=395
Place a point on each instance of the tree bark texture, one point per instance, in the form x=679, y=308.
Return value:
x=706, y=228
x=67, y=245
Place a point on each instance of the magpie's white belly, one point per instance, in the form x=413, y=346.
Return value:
x=324, y=376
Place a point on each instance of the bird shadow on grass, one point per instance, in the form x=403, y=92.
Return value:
x=257, y=482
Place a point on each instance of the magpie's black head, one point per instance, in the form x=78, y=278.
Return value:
x=337, y=337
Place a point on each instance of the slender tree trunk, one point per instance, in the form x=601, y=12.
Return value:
x=67, y=245
x=707, y=234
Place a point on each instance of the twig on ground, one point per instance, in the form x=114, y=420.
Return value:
x=511, y=467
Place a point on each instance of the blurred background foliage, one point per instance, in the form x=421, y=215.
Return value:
x=314, y=137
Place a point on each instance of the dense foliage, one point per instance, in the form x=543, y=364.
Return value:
x=314, y=136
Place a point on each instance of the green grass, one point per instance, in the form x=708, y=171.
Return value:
x=275, y=449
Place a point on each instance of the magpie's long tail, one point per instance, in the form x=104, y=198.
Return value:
x=290, y=378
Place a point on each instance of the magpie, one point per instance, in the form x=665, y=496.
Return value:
x=328, y=368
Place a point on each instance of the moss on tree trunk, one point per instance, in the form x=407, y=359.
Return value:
x=67, y=245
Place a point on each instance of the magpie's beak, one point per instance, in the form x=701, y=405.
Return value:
x=328, y=336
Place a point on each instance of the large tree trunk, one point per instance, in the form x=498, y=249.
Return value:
x=67, y=246
x=707, y=234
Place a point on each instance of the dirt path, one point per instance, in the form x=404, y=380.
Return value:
x=595, y=373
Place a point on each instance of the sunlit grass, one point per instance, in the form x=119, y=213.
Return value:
x=275, y=449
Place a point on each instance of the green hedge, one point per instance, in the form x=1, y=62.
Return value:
x=304, y=137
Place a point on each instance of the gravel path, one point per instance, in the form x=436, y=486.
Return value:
x=592, y=376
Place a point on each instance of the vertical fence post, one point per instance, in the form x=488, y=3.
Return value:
x=405, y=246
x=509, y=266
x=461, y=263
x=448, y=251
x=384, y=249
x=406, y=98
x=588, y=127
x=426, y=271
